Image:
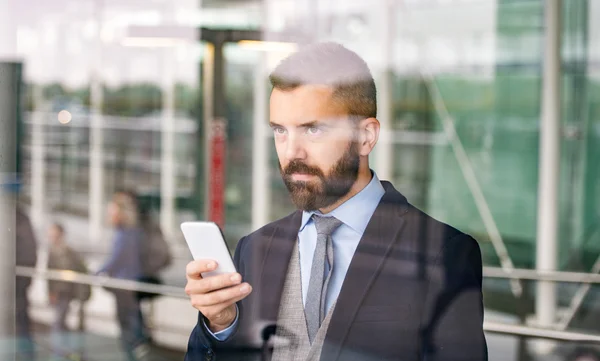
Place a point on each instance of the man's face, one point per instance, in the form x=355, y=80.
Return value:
x=316, y=145
x=114, y=214
x=55, y=235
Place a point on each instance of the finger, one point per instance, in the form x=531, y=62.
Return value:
x=241, y=296
x=214, y=283
x=194, y=269
x=212, y=312
x=224, y=296
x=215, y=313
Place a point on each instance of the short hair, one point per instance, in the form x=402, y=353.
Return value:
x=330, y=64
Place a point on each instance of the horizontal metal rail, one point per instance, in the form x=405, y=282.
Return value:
x=488, y=272
x=489, y=327
x=536, y=275
x=102, y=281
x=539, y=333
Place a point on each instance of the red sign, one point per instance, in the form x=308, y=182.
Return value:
x=217, y=173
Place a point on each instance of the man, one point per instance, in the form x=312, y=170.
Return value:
x=357, y=273
x=125, y=263
x=62, y=257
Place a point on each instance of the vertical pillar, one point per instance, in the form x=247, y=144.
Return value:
x=260, y=151
x=385, y=146
x=314, y=17
x=9, y=88
x=96, y=205
x=168, y=172
x=208, y=114
x=214, y=94
x=8, y=30
x=38, y=160
x=549, y=171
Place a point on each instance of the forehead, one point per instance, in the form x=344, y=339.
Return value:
x=305, y=104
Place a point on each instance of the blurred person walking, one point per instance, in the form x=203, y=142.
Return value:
x=155, y=252
x=155, y=256
x=125, y=263
x=62, y=257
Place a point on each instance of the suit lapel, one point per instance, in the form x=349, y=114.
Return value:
x=277, y=251
x=381, y=233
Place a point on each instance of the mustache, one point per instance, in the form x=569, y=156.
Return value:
x=297, y=166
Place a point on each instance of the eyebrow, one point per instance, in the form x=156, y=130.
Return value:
x=309, y=124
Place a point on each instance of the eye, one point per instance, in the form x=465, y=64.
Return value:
x=278, y=130
x=314, y=130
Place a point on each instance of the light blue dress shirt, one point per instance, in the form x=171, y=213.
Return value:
x=355, y=214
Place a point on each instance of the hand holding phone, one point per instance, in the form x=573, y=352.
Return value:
x=213, y=284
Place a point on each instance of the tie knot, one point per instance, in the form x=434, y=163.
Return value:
x=326, y=225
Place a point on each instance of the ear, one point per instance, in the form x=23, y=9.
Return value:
x=369, y=134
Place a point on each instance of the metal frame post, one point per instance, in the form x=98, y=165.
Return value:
x=96, y=187
x=218, y=113
x=213, y=86
x=385, y=147
x=549, y=170
x=208, y=115
x=168, y=170
x=9, y=95
x=260, y=151
x=9, y=86
x=38, y=159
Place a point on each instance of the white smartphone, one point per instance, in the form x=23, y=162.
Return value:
x=205, y=241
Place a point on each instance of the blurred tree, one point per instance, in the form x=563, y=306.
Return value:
x=132, y=100
x=129, y=100
x=54, y=90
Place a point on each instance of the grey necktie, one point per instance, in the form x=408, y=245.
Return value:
x=320, y=272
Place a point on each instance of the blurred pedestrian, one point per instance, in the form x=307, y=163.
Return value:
x=61, y=293
x=155, y=252
x=125, y=263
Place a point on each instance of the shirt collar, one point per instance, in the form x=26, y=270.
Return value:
x=356, y=211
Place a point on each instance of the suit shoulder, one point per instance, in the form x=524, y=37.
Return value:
x=437, y=232
x=453, y=251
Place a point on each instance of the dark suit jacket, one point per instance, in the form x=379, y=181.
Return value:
x=412, y=291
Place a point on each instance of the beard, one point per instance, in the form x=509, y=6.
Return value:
x=327, y=189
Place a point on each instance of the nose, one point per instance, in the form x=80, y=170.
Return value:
x=294, y=148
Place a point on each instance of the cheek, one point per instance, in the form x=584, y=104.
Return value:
x=113, y=213
x=326, y=155
x=281, y=155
